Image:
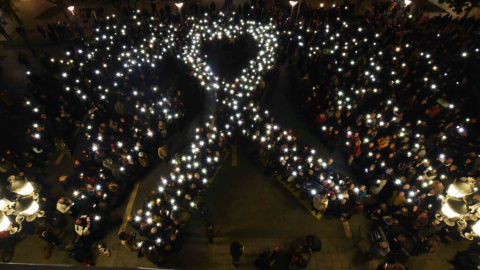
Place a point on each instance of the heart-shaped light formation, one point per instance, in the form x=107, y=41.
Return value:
x=264, y=35
x=240, y=104
x=188, y=168
x=195, y=165
x=139, y=57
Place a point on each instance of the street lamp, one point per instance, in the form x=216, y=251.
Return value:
x=4, y=222
x=454, y=207
x=460, y=188
x=179, y=6
x=23, y=206
x=459, y=208
x=71, y=8
x=292, y=3
x=476, y=228
x=20, y=186
x=26, y=206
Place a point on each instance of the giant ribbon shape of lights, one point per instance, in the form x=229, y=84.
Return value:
x=240, y=102
x=188, y=168
x=237, y=97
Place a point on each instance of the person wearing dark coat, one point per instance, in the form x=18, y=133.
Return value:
x=236, y=251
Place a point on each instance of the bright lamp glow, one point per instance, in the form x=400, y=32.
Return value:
x=460, y=188
x=448, y=211
x=476, y=228
x=293, y=3
x=71, y=8
x=3, y=204
x=27, y=189
x=454, y=192
x=32, y=209
x=4, y=222
x=21, y=187
x=179, y=5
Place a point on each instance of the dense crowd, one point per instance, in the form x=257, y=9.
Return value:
x=117, y=130
x=374, y=86
x=164, y=213
x=379, y=90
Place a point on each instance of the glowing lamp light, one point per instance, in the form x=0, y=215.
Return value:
x=179, y=5
x=460, y=188
x=21, y=187
x=475, y=228
x=26, y=190
x=4, y=222
x=27, y=206
x=3, y=204
x=454, y=207
x=447, y=211
x=293, y=3
x=71, y=8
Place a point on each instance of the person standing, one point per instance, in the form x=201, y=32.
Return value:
x=153, y=5
x=236, y=251
x=163, y=151
x=51, y=239
x=129, y=241
x=210, y=232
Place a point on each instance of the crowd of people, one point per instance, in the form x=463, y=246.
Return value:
x=375, y=86
x=379, y=90
x=116, y=130
x=164, y=213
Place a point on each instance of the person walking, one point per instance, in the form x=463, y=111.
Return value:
x=210, y=232
x=236, y=251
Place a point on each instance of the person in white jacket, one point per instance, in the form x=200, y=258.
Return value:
x=64, y=205
x=82, y=225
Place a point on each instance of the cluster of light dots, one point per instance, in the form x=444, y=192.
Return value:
x=345, y=48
